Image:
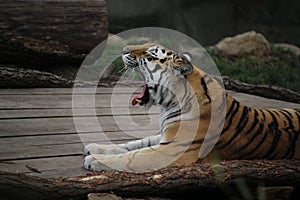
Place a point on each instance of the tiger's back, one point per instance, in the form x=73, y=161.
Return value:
x=253, y=133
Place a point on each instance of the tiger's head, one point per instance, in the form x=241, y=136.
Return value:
x=163, y=70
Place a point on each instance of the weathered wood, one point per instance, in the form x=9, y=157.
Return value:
x=268, y=91
x=64, y=101
x=51, y=32
x=69, y=138
x=167, y=181
x=41, y=151
x=68, y=91
x=80, y=112
x=20, y=78
x=60, y=166
x=46, y=126
x=27, y=101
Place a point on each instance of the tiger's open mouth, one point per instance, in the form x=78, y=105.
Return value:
x=142, y=98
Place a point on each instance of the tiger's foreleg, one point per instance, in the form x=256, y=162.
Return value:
x=108, y=149
x=139, y=160
x=177, y=148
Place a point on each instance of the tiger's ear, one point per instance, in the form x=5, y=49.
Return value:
x=187, y=56
x=185, y=69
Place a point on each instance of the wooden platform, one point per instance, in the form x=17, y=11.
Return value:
x=38, y=135
x=42, y=131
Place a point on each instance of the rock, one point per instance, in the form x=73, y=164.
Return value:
x=249, y=44
x=290, y=47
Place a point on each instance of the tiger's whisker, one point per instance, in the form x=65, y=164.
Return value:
x=122, y=69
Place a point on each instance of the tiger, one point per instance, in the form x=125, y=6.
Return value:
x=186, y=94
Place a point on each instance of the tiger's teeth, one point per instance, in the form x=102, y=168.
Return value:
x=138, y=100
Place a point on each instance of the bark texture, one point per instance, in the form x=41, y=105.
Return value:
x=48, y=32
x=167, y=182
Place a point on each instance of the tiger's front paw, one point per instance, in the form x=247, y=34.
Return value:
x=93, y=148
x=93, y=163
x=104, y=149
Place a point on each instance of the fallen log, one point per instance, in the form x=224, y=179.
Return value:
x=167, y=182
x=268, y=91
x=28, y=78
x=50, y=32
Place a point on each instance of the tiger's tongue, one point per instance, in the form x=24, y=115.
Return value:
x=138, y=98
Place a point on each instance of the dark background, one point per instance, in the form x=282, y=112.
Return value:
x=208, y=21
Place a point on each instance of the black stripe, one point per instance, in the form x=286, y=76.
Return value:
x=235, y=105
x=290, y=125
x=149, y=142
x=243, y=119
x=149, y=71
x=254, y=123
x=202, y=81
x=261, y=127
x=173, y=114
x=291, y=150
x=161, y=75
x=162, y=93
x=273, y=129
x=254, y=136
x=246, y=155
x=186, y=99
x=154, y=88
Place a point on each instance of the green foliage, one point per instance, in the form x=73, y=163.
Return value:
x=119, y=66
x=282, y=69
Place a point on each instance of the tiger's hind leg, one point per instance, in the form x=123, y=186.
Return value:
x=109, y=149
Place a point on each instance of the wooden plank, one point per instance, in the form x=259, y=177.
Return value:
x=40, y=140
x=46, y=126
x=64, y=101
x=26, y=148
x=47, y=167
x=261, y=102
x=80, y=112
x=39, y=101
x=69, y=91
x=41, y=151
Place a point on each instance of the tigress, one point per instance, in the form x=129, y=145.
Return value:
x=186, y=95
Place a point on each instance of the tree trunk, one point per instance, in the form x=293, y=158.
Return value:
x=50, y=32
x=168, y=182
